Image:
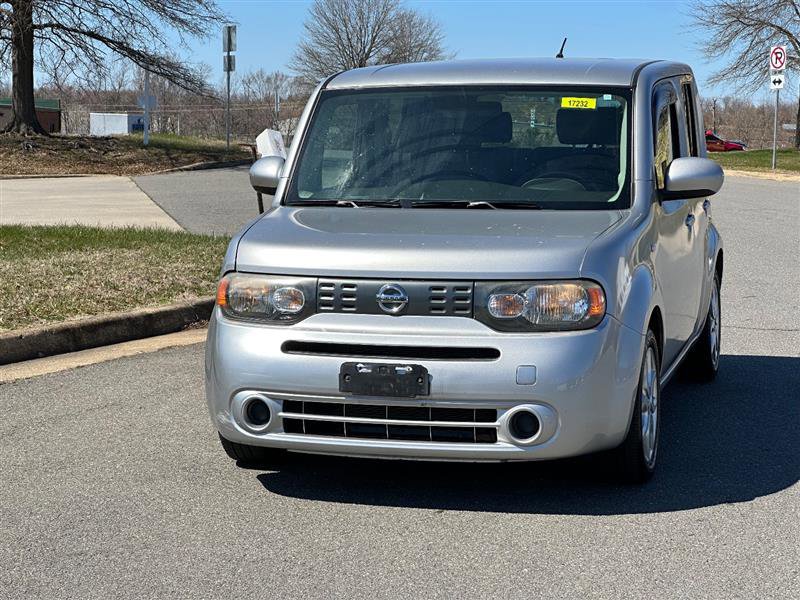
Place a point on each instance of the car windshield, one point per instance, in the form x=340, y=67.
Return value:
x=560, y=148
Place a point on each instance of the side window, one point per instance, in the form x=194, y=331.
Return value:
x=691, y=118
x=667, y=130
x=664, y=142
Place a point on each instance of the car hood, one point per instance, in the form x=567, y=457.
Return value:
x=421, y=243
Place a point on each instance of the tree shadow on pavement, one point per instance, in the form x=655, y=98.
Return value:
x=729, y=441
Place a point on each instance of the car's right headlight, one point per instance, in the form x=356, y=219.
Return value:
x=540, y=305
x=277, y=300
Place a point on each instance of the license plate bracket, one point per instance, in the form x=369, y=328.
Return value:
x=400, y=380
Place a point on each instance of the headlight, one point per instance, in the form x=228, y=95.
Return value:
x=278, y=300
x=540, y=306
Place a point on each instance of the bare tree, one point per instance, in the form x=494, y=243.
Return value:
x=415, y=38
x=268, y=90
x=743, y=31
x=79, y=35
x=347, y=34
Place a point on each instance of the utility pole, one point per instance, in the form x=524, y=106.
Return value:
x=229, y=63
x=714, y=116
x=277, y=109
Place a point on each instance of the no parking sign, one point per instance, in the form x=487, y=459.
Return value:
x=777, y=58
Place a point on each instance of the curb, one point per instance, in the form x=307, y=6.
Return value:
x=38, y=342
x=202, y=166
x=54, y=175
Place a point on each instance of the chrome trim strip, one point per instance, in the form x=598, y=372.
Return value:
x=424, y=401
x=369, y=421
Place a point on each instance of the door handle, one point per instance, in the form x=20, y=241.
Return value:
x=690, y=221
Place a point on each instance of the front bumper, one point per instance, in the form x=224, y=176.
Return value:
x=583, y=393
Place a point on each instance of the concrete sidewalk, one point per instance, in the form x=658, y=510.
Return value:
x=102, y=200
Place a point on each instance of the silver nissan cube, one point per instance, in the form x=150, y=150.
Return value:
x=494, y=260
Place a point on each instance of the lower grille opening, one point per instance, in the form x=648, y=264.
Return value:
x=303, y=421
x=324, y=428
x=409, y=432
x=364, y=430
x=399, y=352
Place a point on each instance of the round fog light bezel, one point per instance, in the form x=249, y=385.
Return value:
x=242, y=413
x=511, y=429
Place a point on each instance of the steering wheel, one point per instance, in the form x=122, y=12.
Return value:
x=438, y=176
x=555, y=175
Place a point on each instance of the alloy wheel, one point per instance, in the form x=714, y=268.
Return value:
x=649, y=406
x=714, y=326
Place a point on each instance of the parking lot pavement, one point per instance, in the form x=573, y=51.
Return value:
x=114, y=485
x=102, y=200
x=217, y=201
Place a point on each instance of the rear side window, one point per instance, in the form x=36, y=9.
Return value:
x=691, y=118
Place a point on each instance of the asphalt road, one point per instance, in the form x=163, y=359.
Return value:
x=216, y=201
x=113, y=483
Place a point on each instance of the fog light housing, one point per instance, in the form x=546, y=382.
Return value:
x=524, y=425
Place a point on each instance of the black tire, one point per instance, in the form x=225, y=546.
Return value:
x=629, y=459
x=251, y=455
x=702, y=362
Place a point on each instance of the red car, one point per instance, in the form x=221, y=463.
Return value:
x=717, y=144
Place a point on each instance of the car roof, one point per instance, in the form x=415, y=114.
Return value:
x=554, y=71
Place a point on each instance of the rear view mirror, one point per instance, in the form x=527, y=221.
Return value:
x=265, y=174
x=692, y=177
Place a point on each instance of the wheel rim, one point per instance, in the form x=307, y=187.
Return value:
x=714, y=326
x=649, y=406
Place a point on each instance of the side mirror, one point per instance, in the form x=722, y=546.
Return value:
x=692, y=177
x=265, y=174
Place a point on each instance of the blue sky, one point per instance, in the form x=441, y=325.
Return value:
x=269, y=30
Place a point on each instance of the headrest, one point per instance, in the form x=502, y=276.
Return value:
x=485, y=122
x=580, y=126
x=449, y=116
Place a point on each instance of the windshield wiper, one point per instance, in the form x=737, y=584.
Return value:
x=408, y=203
x=481, y=204
x=346, y=203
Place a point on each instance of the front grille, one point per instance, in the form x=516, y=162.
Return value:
x=439, y=298
x=337, y=296
x=450, y=299
x=388, y=422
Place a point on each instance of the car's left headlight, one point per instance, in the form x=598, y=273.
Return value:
x=540, y=305
x=277, y=300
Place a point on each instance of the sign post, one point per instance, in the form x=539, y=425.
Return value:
x=148, y=103
x=777, y=79
x=229, y=65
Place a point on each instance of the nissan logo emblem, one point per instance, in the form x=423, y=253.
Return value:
x=392, y=298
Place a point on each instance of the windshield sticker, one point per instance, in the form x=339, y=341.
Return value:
x=568, y=102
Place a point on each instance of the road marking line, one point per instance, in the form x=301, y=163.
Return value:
x=82, y=358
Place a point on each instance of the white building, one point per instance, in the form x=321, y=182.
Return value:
x=101, y=124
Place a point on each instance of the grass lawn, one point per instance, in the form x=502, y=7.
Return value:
x=116, y=155
x=52, y=274
x=758, y=160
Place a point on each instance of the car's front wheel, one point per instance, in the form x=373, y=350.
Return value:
x=250, y=455
x=635, y=459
